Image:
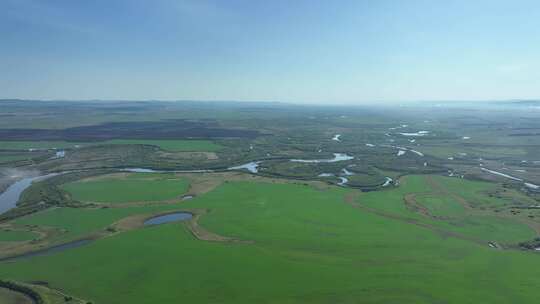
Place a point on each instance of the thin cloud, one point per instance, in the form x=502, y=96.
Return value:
x=511, y=68
x=42, y=13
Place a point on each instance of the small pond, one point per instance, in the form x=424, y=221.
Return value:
x=168, y=218
x=50, y=250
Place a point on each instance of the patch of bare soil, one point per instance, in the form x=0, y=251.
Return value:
x=51, y=295
x=8, y=249
x=196, y=155
x=411, y=202
x=205, y=182
x=13, y=297
x=413, y=205
x=131, y=204
x=130, y=223
x=118, y=175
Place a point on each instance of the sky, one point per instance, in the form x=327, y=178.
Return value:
x=303, y=51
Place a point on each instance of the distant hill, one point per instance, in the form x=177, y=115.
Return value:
x=522, y=103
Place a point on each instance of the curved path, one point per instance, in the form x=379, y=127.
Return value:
x=410, y=201
x=352, y=199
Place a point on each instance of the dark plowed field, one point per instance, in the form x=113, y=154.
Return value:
x=176, y=129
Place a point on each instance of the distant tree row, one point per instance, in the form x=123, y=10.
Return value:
x=531, y=245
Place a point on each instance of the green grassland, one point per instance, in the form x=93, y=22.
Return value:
x=424, y=239
x=16, y=235
x=482, y=194
x=308, y=246
x=75, y=223
x=446, y=200
x=10, y=158
x=130, y=188
x=171, y=145
x=442, y=205
x=446, y=150
x=38, y=145
x=168, y=145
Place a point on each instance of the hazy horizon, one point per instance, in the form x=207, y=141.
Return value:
x=531, y=103
x=312, y=52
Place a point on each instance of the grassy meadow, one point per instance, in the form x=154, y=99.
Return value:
x=12, y=158
x=75, y=223
x=171, y=145
x=15, y=235
x=167, y=145
x=308, y=245
x=127, y=188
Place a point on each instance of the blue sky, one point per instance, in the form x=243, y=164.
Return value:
x=291, y=51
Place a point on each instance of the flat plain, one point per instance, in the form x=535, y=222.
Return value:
x=295, y=225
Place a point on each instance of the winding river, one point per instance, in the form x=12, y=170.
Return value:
x=49, y=250
x=337, y=157
x=252, y=167
x=10, y=197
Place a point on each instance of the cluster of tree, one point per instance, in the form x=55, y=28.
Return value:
x=531, y=245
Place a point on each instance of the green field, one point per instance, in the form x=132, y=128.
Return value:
x=131, y=188
x=171, y=145
x=26, y=145
x=477, y=193
x=15, y=236
x=309, y=246
x=76, y=222
x=446, y=150
x=441, y=205
x=10, y=158
x=486, y=226
x=168, y=145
